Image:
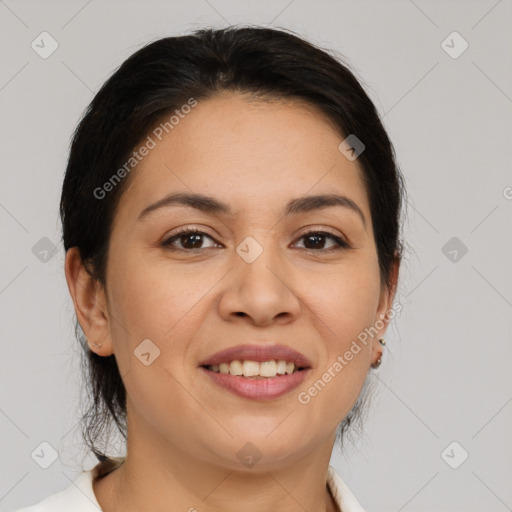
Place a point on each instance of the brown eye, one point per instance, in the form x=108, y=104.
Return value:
x=193, y=239
x=315, y=241
x=188, y=239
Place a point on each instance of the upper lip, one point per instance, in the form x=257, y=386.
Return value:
x=258, y=353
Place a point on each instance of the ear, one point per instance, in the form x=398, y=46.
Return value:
x=90, y=303
x=387, y=295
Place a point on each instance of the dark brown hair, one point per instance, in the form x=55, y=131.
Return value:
x=157, y=80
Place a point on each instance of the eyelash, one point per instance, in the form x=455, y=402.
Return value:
x=341, y=244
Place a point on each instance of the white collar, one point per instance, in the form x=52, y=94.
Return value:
x=81, y=494
x=342, y=495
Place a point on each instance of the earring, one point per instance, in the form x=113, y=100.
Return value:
x=377, y=363
x=97, y=345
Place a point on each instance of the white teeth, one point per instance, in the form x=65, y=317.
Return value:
x=268, y=369
x=250, y=368
x=235, y=368
x=255, y=369
x=281, y=367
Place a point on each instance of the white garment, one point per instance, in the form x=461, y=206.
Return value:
x=80, y=497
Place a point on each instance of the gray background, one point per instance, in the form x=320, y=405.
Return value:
x=446, y=369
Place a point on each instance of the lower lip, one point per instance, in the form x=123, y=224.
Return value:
x=257, y=389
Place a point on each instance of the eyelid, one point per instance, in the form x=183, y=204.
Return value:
x=340, y=240
x=186, y=230
x=320, y=229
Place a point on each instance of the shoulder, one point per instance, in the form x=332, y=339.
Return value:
x=78, y=496
x=342, y=495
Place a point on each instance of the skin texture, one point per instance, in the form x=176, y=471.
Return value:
x=184, y=432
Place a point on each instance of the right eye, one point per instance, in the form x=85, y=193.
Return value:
x=189, y=238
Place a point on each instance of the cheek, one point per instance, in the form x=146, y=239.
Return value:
x=343, y=306
x=345, y=300
x=162, y=303
x=156, y=303
x=153, y=299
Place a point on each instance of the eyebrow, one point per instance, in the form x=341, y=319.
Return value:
x=211, y=205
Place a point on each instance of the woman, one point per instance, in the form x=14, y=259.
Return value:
x=231, y=212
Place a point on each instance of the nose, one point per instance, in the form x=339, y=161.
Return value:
x=260, y=292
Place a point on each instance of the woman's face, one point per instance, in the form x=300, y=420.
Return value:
x=251, y=277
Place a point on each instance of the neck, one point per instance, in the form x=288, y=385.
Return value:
x=157, y=475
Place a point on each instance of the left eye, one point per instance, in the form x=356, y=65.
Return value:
x=319, y=244
x=192, y=239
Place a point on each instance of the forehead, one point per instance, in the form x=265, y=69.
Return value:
x=251, y=153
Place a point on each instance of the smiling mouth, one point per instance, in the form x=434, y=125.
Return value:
x=254, y=369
